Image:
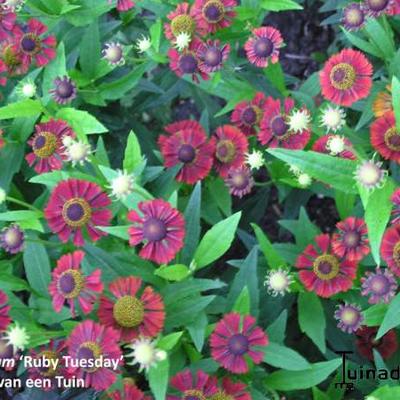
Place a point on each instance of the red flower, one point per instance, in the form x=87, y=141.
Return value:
x=234, y=338
x=231, y=146
x=321, y=146
x=129, y=392
x=123, y=5
x=161, y=229
x=70, y=284
x=202, y=386
x=74, y=205
x=212, y=55
x=323, y=272
x=187, y=144
x=385, y=138
x=89, y=342
x=351, y=241
x=390, y=248
x=130, y=315
x=5, y=319
x=247, y=114
x=47, y=145
x=2, y=141
x=212, y=15
x=32, y=44
x=3, y=73
x=395, y=198
x=263, y=47
x=187, y=62
x=7, y=22
x=182, y=21
x=12, y=59
x=275, y=129
x=346, y=77
x=233, y=390
x=366, y=342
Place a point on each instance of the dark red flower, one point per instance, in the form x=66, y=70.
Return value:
x=323, y=272
x=212, y=55
x=129, y=392
x=395, y=198
x=366, y=342
x=239, y=181
x=231, y=390
x=5, y=319
x=12, y=59
x=123, y=5
x=390, y=248
x=231, y=146
x=7, y=22
x=187, y=144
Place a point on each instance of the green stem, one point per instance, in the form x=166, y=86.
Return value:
x=263, y=183
x=22, y=203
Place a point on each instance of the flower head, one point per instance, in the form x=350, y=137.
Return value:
x=143, y=44
x=212, y=55
x=354, y=16
x=380, y=286
x=335, y=144
x=113, y=53
x=182, y=41
x=299, y=120
x=123, y=5
x=230, y=390
x=234, y=339
x=69, y=284
x=27, y=89
x=64, y=90
x=129, y=392
x=5, y=319
x=346, y=77
x=395, y=198
x=304, y=179
x=74, y=206
x=333, y=118
x=383, y=102
x=278, y=281
x=76, y=151
x=366, y=342
x=132, y=314
x=239, y=181
x=390, y=248
x=122, y=185
x=17, y=337
x=145, y=353
x=255, y=159
x=375, y=8
x=12, y=239
x=182, y=21
x=349, y=317
x=161, y=229
x=12, y=5
x=370, y=175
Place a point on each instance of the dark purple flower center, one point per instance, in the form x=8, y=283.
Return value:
x=29, y=44
x=188, y=64
x=213, y=11
x=67, y=283
x=71, y=283
x=392, y=139
x=377, y=5
x=325, y=267
x=154, y=230
x=40, y=141
x=186, y=153
x=343, y=76
x=279, y=126
x=249, y=115
x=238, y=344
x=85, y=353
x=263, y=47
x=75, y=212
x=213, y=56
x=65, y=89
x=351, y=239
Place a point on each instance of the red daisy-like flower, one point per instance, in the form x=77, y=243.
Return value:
x=89, y=342
x=7, y=22
x=123, y=5
x=3, y=73
x=75, y=205
x=129, y=392
x=212, y=15
x=247, y=115
x=234, y=339
x=346, y=77
x=5, y=319
x=390, y=248
x=161, y=229
x=70, y=284
x=351, y=241
x=321, y=145
x=263, y=47
x=275, y=129
x=47, y=145
x=2, y=141
x=187, y=62
x=201, y=386
x=323, y=272
x=52, y=351
x=366, y=342
x=212, y=55
x=12, y=58
x=385, y=138
x=187, y=144
x=232, y=391
x=395, y=198
x=231, y=146
x=33, y=46
x=182, y=21
x=130, y=315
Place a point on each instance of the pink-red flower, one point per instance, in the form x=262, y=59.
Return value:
x=351, y=241
x=230, y=390
x=212, y=55
x=129, y=392
x=247, y=114
x=74, y=206
x=33, y=45
x=231, y=146
x=322, y=272
x=69, y=284
x=123, y=5
x=89, y=342
x=7, y=22
x=236, y=338
x=161, y=229
x=385, y=138
x=395, y=198
x=346, y=77
x=263, y=47
x=47, y=145
x=201, y=386
x=182, y=21
x=187, y=143
x=212, y=15
x=130, y=314
x=5, y=319
x=275, y=128
x=386, y=346
x=390, y=248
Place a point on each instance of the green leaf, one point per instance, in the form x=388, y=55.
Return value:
x=169, y=342
x=90, y=49
x=275, y=75
x=273, y=258
x=373, y=316
x=216, y=241
x=380, y=37
x=20, y=215
x=242, y=304
x=23, y=108
x=334, y=171
x=386, y=393
x=155, y=34
x=362, y=44
x=312, y=318
x=344, y=203
x=280, y=5
x=37, y=267
x=319, y=394
x=158, y=379
x=391, y=318
x=175, y=272
x=276, y=331
x=283, y=357
x=294, y=380
x=133, y=155
x=377, y=215
x=197, y=330
x=396, y=100
x=117, y=231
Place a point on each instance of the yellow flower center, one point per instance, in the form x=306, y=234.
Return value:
x=71, y=283
x=193, y=394
x=76, y=212
x=343, y=76
x=392, y=139
x=183, y=23
x=45, y=144
x=128, y=311
x=326, y=267
x=222, y=395
x=89, y=351
x=225, y=151
x=48, y=355
x=396, y=253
